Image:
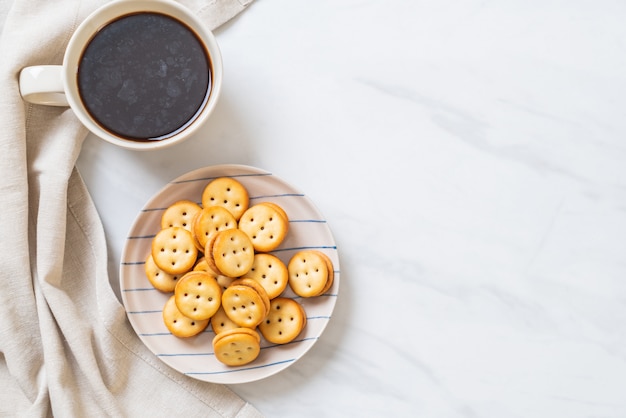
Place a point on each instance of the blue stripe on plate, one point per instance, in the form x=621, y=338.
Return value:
x=328, y=247
x=277, y=195
x=169, y=334
x=141, y=236
x=291, y=360
x=314, y=221
x=186, y=355
x=139, y=289
x=144, y=312
x=289, y=343
x=132, y=263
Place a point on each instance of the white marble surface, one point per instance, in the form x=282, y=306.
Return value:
x=470, y=158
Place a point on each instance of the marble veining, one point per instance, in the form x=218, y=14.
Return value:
x=469, y=157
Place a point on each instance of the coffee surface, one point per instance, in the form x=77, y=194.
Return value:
x=144, y=76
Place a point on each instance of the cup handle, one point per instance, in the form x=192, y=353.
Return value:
x=43, y=85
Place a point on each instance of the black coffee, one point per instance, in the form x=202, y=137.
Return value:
x=144, y=76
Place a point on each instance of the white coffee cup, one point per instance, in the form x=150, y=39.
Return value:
x=58, y=85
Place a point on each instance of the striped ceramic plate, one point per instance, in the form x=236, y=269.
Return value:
x=194, y=356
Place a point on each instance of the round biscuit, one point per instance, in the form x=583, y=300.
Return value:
x=193, y=233
x=284, y=322
x=180, y=213
x=236, y=349
x=265, y=225
x=232, y=252
x=243, y=305
x=239, y=330
x=158, y=278
x=278, y=208
x=228, y=193
x=173, y=250
x=331, y=273
x=257, y=288
x=308, y=273
x=270, y=272
x=197, y=295
x=211, y=220
x=208, y=255
x=223, y=281
x=220, y=322
x=201, y=265
x=180, y=325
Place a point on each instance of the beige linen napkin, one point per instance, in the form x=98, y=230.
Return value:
x=66, y=348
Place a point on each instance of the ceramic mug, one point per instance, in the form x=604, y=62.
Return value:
x=141, y=74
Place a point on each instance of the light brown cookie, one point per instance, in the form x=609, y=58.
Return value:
x=241, y=330
x=269, y=271
x=159, y=279
x=308, y=273
x=201, y=264
x=257, y=287
x=265, y=225
x=173, y=250
x=228, y=193
x=197, y=295
x=278, y=208
x=180, y=325
x=331, y=273
x=223, y=281
x=243, y=305
x=193, y=234
x=209, y=261
x=284, y=322
x=180, y=213
x=210, y=221
x=220, y=322
x=230, y=252
x=237, y=347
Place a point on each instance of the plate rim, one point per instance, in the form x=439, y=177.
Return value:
x=225, y=170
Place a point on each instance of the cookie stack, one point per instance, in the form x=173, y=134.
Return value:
x=215, y=259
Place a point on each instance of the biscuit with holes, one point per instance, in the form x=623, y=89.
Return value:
x=173, y=250
x=197, y=295
x=243, y=305
x=220, y=322
x=230, y=252
x=269, y=271
x=209, y=261
x=210, y=221
x=180, y=213
x=331, y=272
x=240, y=330
x=308, y=273
x=228, y=193
x=278, y=208
x=223, y=281
x=200, y=264
x=257, y=287
x=158, y=278
x=265, y=225
x=193, y=234
x=284, y=322
x=179, y=324
x=237, y=347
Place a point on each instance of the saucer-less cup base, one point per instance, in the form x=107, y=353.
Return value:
x=57, y=85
